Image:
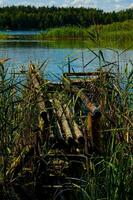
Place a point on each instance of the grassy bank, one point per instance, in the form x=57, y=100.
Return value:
x=115, y=33
x=119, y=34
x=64, y=32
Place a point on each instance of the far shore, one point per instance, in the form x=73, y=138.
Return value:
x=115, y=34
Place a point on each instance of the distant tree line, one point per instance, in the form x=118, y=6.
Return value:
x=30, y=17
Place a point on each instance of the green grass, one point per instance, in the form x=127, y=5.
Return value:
x=118, y=34
x=3, y=36
x=64, y=32
x=115, y=34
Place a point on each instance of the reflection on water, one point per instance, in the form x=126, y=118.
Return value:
x=43, y=43
x=57, y=53
x=20, y=32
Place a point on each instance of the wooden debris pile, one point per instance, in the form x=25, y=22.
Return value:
x=68, y=126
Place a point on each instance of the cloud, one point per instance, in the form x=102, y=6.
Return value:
x=117, y=1
x=80, y=3
x=131, y=5
x=1, y=3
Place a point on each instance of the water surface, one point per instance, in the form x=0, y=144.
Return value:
x=20, y=32
x=21, y=52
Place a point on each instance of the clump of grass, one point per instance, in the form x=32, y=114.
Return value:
x=17, y=117
x=64, y=32
x=115, y=34
x=8, y=115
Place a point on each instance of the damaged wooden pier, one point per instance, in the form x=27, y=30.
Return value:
x=59, y=121
x=65, y=133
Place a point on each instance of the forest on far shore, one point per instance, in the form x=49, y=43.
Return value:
x=41, y=18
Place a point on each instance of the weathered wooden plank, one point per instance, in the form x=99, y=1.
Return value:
x=83, y=74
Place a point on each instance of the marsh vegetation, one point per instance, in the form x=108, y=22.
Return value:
x=109, y=158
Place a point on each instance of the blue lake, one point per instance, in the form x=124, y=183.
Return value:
x=20, y=32
x=21, y=52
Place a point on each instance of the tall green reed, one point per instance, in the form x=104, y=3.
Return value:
x=8, y=115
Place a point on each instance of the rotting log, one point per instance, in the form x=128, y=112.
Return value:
x=77, y=132
x=59, y=134
x=63, y=121
x=43, y=118
x=95, y=112
x=90, y=106
x=59, y=140
x=93, y=116
x=36, y=81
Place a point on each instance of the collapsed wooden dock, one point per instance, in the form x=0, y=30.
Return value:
x=66, y=129
x=70, y=128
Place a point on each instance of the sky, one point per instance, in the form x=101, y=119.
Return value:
x=106, y=5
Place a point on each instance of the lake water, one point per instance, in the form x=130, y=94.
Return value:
x=21, y=52
x=10, y=32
